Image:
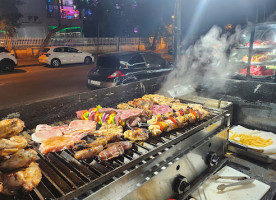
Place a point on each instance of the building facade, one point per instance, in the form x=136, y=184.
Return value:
x=41, y=16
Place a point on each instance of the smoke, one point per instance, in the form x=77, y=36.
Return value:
x=206, y=59
x=272, y=17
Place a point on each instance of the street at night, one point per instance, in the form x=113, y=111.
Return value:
x=137, y=100
x=36, y=83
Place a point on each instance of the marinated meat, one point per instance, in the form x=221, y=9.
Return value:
x=114, y=150
x=99, y=141
x=136, y=134
x=133, y=121
x=127, y=114
x=161, y=109
x=12, y=145
x=57, y=143
x=82, y=125
x=108, y=110
x=124, y=144
x=124, y=106
x=107, y=129
x=88, y=153
x=44, y=131
x=26, y=178
x=11, y=127
x=22, y=158
x=111, y=152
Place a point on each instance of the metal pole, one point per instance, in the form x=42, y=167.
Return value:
x=177, y=30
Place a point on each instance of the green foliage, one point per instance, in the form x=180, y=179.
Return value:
x=9, y=15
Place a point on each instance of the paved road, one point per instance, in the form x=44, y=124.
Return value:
x=36, y=83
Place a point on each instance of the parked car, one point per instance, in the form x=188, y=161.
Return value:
x=7, y=60
x=125, y=67
x=56, y=56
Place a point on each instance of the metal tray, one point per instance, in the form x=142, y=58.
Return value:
x=249, y=152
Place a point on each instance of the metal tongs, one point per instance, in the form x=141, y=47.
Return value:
x=242, y=180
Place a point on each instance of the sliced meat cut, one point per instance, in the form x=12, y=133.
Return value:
x=44, y=131
x=57, y=143
x=82, y=125
x=161, y=109
x=108, y=110
x=127, y=114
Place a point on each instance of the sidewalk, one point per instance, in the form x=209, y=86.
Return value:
x=28, y=62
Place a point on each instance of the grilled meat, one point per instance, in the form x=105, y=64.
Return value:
x=22, y=158
x=44, y=131
x=124, y=106
x=107, y=129
x=11, y=127
x=12, y=145
x=114, y=150
x=136, y=134
x=57, y=143
x=25, y=178
x=83, y=145
x=111, y=152
x=88, y=153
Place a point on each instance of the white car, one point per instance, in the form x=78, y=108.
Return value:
x=7, y=60
x=56, y=56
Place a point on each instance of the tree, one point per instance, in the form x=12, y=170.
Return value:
x=9, y=16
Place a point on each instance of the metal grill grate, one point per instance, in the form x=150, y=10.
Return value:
x=64, y=177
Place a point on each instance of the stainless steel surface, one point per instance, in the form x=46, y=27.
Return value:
x=250, y=153
x=154, y=178
x=243, y=182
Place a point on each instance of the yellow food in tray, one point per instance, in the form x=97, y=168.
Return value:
x=250, y=140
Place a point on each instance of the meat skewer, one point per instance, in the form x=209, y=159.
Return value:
x=139, y=134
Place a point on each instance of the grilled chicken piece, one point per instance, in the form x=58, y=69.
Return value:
x=22, y=158
x=124, y=106
x=11, y=127
x=25, y=178
x=99, y=141
x=12, y=145
x=88, y=153
x=114, y=150
x=57, y=143
x=136, y=134
x=107, y=129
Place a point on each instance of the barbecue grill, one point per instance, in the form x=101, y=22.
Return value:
x=172, y=165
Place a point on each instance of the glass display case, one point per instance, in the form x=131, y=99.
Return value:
x=254, y=56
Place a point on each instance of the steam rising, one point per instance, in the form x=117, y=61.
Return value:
x=206, y=60
x=272, y=17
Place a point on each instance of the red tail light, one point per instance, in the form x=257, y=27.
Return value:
x=116, y=74
x=47, y=54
